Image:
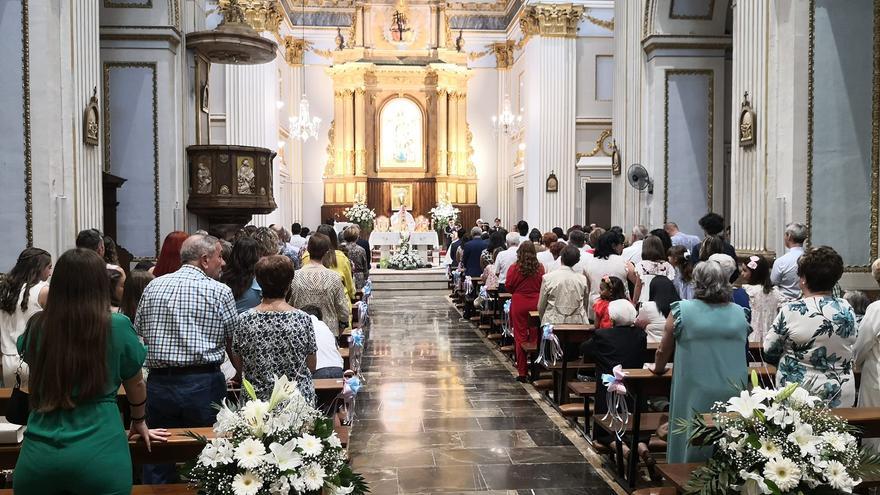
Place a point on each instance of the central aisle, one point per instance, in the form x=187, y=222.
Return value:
x=440, y=413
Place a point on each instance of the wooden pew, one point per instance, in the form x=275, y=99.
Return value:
x=175, y=489
x=642, y=383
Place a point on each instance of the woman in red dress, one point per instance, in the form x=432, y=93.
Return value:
x=524, y=284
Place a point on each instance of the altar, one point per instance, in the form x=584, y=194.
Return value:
x=387, y=243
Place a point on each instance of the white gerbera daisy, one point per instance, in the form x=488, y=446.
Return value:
x=310, y=445
x=249, y=453
x=783, y=472
x=313, y=476
x=246, y=484
x=837, y=477
x=769, y=449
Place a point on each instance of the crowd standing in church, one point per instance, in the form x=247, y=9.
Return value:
x=274, y=305
x=680, y=290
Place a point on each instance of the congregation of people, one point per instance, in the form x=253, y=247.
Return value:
x=177, y=335
x=694, y=299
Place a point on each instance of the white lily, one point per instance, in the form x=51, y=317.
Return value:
x=744, y=405
x=753, y=484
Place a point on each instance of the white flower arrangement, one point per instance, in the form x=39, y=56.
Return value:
x=280, y=447
x=360, y=214
x=405, y=258
x=442, y=213
x=770, y=441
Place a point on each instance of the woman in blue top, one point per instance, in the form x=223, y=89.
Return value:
x=708, y=335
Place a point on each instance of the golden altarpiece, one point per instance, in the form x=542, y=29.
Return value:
x=399, y=130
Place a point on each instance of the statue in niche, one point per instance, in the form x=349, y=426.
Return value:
x=331, y=150
x=399, y=24
x=459, y=42
x=90, y=120
x=471, y=169
x=340, y=41
x=203, y=177
x=246, y=178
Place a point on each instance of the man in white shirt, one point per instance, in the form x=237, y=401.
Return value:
x=297, y=241
x=784, y=274
x=679, y=238
x=634, y=252
x=506, y=258
x=578, y=239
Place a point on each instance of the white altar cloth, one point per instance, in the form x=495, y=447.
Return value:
x=387, y=242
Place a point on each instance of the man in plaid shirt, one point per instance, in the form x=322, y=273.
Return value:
x=186, y=319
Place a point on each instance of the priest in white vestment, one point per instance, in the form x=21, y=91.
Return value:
x=403, y=221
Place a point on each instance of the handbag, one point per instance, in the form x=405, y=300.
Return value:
x=18, y=408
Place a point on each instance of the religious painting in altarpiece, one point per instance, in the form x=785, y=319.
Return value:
x=401, y=135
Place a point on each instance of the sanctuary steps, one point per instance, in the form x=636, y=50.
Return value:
x=421, y=282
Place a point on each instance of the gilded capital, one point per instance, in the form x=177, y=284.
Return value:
x=503, y=54
x=294, y=48
x=262, y=15
x=555, y=20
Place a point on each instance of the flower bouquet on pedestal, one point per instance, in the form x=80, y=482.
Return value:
x=360, y=214
x=771, y=441
x=405, y=258
x=442, y=214
x=280, y=447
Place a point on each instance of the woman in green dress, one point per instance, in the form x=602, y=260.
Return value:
x=708, y=335
x=79, y=353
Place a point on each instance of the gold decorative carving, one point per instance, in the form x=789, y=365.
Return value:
x=90, y=120
x=551, y=20
x=747, y=123
x=471, y=169
x=472, y=56
x=600, y=146
x=615, y=159
x=294, y=48
x=710, y=104
x=503, y=54
x=262, y=15
x=26, y=118
x=602, y=23
x=331, y=150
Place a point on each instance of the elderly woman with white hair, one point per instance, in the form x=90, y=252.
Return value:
x=624, y=344
x=708, y=335
x=867, y=351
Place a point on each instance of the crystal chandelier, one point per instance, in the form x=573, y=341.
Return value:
x=508, y=122
x=304, y=126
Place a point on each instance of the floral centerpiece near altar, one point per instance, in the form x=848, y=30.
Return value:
x=771, y=441
x=280, y=447
x=443, y=213
x=405, y=258
x=360, y=214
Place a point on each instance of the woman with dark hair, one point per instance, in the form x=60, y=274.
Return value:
x=560, y=234
x=708, y=336
x=117, y=285
x=273, y=338
x=524, y=284
x=813, y=338
x=111, y=256
x=764, y=299
x=684, y=279
x=496, y=243
x=79, y=354
x=653, y=313
x=535, y=238
x=317, y=285
x=239, y=275
x=23, y=292
x=664, y=238
x=606, y=260
x=652, y=265
x=712, y=244
x=169, y=256
x=357, y=255
x=335, y=259
x=133, y=290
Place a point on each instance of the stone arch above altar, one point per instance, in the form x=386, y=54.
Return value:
x=400, y=123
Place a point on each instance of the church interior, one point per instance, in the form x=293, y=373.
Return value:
x=493, y=176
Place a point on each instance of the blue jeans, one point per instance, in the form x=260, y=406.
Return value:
x=180, y=401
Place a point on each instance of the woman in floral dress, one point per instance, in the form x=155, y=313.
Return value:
x=813, y=338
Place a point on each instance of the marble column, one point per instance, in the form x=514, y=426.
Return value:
x=452, y=135
x=463, y=152
x=442, y=123
x=750, y=189
x=339, y=132
x=360, y=124
x=348, y=130
x=550, y=115
x=294, y=58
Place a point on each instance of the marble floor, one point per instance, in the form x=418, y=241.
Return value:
x=441, y=413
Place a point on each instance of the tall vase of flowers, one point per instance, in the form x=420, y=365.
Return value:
x=280, y=447
x=442, y=214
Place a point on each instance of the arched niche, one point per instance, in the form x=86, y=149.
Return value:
x=401, y=138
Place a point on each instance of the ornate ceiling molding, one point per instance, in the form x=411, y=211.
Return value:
x=551, y=20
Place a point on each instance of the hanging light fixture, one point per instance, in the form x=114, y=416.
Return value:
x=304, y=125
x=508, y=122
